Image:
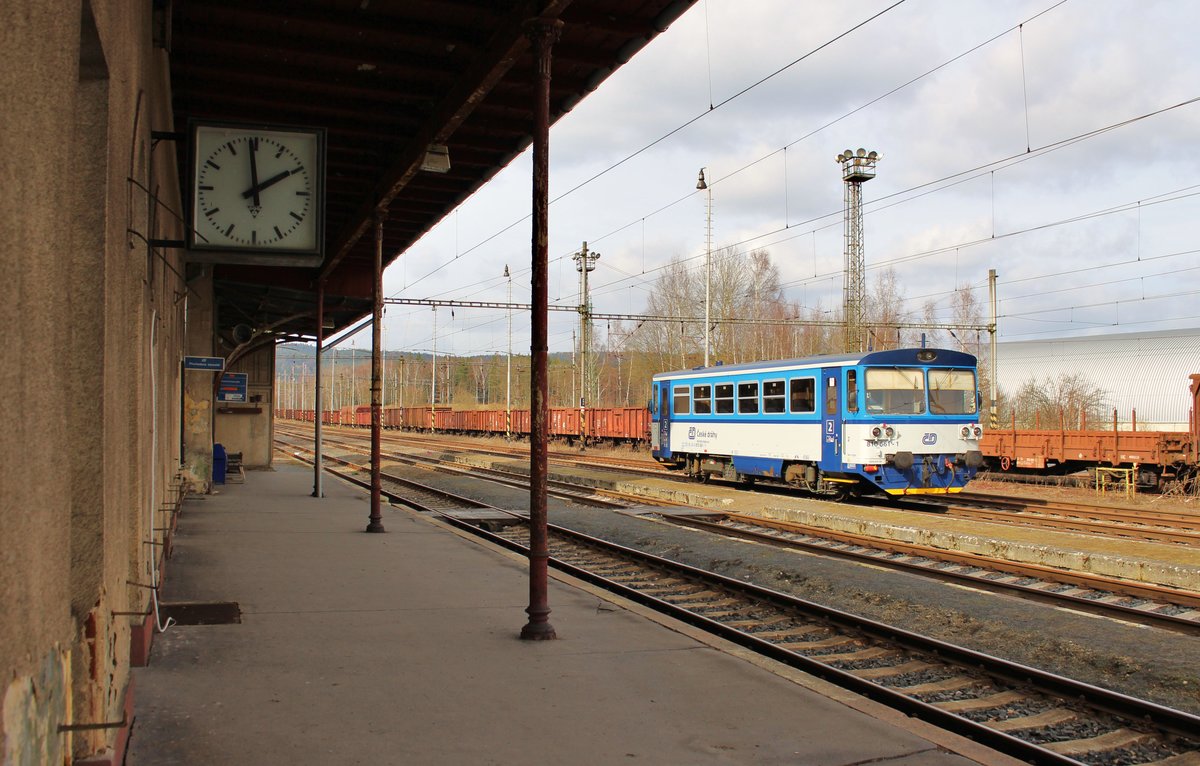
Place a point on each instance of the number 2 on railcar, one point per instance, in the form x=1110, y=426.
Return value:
x=903, y=421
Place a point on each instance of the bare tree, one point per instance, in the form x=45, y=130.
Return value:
x=1069, y=401
x=885, y=310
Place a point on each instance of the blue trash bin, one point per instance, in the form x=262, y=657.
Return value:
x=219, y=463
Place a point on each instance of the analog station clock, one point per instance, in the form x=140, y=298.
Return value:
x=257, y=191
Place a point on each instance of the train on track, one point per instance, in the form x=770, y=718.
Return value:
x=900, y=422
x=1160, y=460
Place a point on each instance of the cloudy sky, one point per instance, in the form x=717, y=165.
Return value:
x=1050, y=141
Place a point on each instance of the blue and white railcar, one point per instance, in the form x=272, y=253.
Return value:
x=904, y=421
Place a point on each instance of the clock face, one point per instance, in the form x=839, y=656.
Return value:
x=256, y=189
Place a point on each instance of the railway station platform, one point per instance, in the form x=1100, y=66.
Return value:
x=403, y=648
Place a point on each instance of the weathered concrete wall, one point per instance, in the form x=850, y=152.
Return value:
x=41, y=43
x=238, y=430
x=198, y=391
x=92, y=361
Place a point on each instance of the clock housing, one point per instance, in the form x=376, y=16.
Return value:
x=257, y=194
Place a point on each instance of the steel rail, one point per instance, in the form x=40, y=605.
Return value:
x=1046, y=574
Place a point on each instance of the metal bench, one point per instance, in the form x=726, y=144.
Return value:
x=234, y=473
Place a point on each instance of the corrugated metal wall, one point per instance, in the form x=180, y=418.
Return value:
x=1143, y=371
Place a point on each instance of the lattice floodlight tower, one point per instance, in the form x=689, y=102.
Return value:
x=858, y=167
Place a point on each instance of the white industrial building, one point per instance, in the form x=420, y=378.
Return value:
x=1147, y=372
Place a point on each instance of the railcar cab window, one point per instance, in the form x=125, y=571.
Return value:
x=773, y=396
x=724, y=398
x=952, y=392
x=680, y=405
x=803, y=395
x=702, y=403
x=895, y=391
x=852, y=390
x=748, y=398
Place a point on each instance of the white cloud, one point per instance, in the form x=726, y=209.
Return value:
x=1080, y=67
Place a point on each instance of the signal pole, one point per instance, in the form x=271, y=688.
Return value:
x=707, y=266
x=433, y=364
x=857, y=168
x=508, y=375
x=584, y=262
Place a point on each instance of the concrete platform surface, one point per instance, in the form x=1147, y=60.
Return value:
x=403, y=648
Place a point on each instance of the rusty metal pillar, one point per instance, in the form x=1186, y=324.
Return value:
x=376, y=520
x=543, y=33
x=317, y=410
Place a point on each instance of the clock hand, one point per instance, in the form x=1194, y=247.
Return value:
x=254, y=171
x=254, y=190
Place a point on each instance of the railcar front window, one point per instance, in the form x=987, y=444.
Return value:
x=895, y=391
x=702, y=403
x=952, y=392
x=724, y=398
x=680, y=405
x=773, y=396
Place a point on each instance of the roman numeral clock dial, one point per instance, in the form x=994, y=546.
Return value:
x=257, y=190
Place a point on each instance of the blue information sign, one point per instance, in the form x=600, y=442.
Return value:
x=213, y=363
x=232, y=388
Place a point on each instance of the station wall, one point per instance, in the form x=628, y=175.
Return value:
x=90, y=368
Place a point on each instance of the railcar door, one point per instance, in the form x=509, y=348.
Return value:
x=831, y=421
x=664, y=419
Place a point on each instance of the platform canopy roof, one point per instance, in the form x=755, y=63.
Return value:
x=387, y=79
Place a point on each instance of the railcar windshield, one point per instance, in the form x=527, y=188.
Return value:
x=952, y=392
x=895, y=390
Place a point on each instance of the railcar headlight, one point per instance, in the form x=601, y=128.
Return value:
x=890, y=432
x=978, y=432
x=876, y=432
x=966, y=432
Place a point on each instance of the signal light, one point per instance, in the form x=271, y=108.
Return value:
x=870, y=468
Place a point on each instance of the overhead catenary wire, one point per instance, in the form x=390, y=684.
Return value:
x=990, y=168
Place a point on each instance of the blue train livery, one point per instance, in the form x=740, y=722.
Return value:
x=904, y=421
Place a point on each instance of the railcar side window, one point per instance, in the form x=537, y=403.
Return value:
x=895, y=391
x=702, y=400
x=773, y=397
x=748, y=398
x=852, y=390
x=952, y=392
x=724, y=398
x=680, y=405
x=804, y=395
x=831, y=397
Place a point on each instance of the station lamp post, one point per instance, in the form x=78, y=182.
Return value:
x=700, y=184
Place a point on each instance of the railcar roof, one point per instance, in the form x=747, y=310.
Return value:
x=945, y=357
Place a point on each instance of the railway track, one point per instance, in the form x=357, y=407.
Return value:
x=1179, y=528
x=1019, y=710
x=560, y=489
x=1143, y=603
x=1125, y=523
